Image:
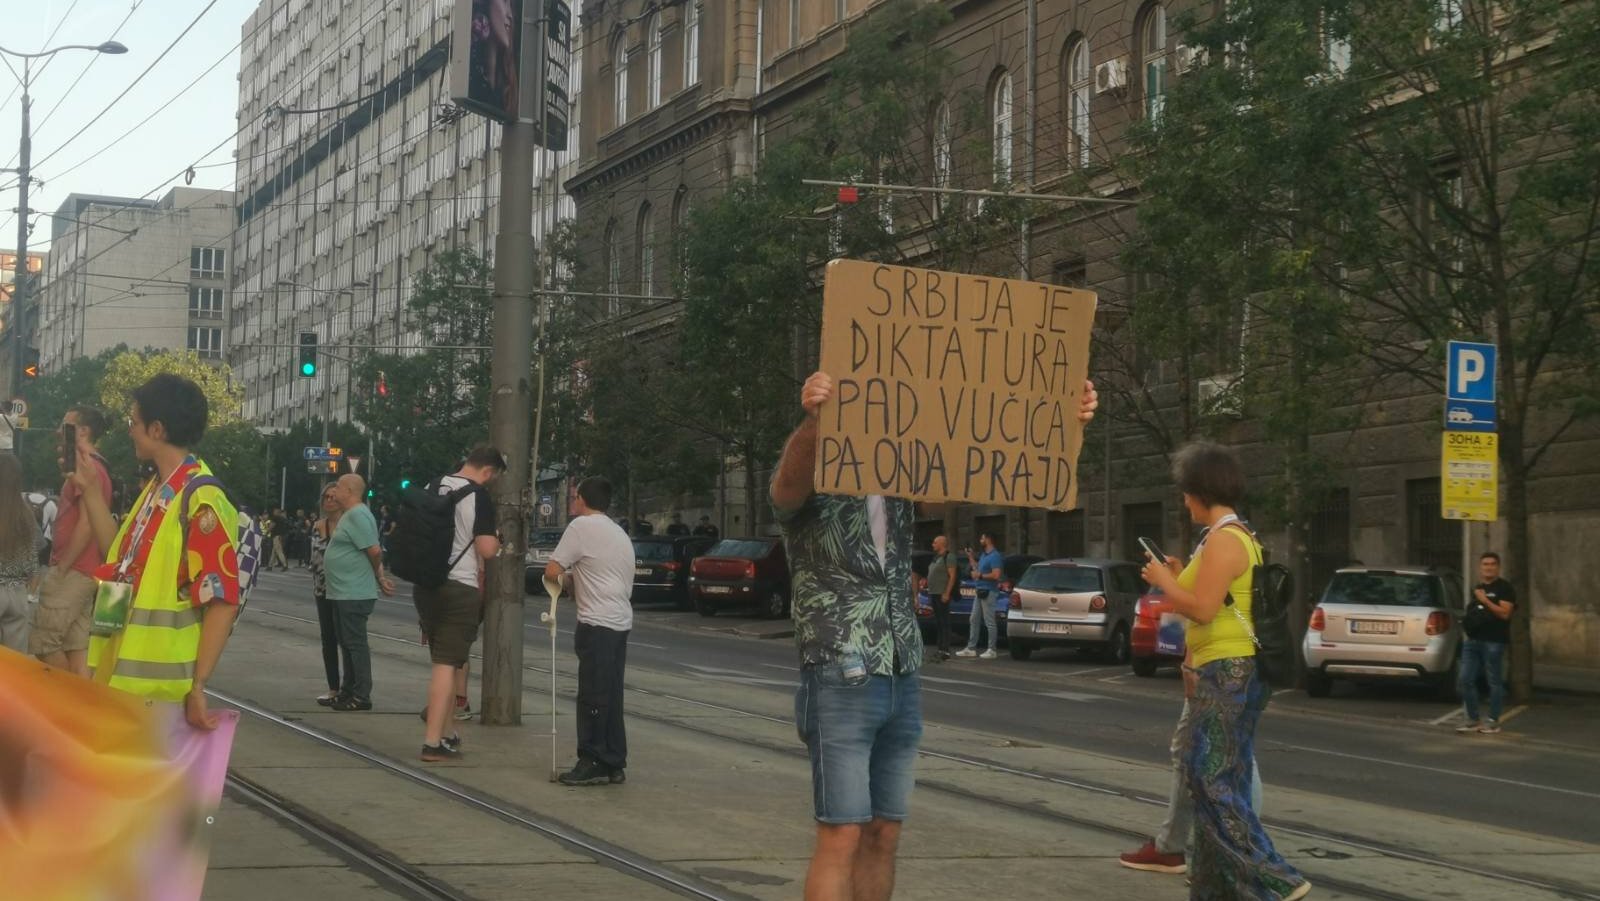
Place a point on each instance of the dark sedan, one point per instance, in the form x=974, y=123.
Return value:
x=741, y=572
x=661, y=567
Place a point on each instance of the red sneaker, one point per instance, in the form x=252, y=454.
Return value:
x=1148, y=858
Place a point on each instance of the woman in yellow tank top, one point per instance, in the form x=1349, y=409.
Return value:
x=1233, y=857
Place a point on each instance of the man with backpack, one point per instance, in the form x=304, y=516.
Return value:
x=442, y=536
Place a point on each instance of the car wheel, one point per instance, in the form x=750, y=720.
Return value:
x=1144, y=667
x=705, y=607
x=777, y=605
x=1020, y=650
x=1318, y=685
x=1118, y=651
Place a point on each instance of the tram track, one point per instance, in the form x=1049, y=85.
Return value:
x=1557, y=888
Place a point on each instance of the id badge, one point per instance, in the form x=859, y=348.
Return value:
x=112, y=602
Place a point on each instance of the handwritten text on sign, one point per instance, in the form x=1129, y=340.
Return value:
x=952, y=387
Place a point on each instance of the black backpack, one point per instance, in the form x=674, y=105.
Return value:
x=425, y=532
x=1271, y=593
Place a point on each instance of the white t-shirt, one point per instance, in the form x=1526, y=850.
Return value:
x=474, y=517
x=600, y=557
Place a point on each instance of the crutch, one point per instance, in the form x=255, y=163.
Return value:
x=552, y=587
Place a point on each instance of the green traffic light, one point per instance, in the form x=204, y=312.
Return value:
x=308, y=368
x=404, y=484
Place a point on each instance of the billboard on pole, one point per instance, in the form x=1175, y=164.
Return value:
x=510, y=60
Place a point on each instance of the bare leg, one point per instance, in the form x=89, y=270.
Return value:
x=78, y=662
x=830, y=877
x=874, y=866
x=462, y=672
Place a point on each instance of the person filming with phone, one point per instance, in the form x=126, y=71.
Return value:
x=60, y=635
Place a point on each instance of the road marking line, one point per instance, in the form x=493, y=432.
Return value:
x=1073, y=696
x=942, y=691
x=1115, y=678
x=1284, y=691
x=1085, y=672
x=1515, y=711
x=1458, y=712
x=1440, y=770
x=782, y=666
x=942, y=681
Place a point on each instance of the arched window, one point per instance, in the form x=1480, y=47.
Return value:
x=652, y=30
x=943, y=154
x=619, y=77
x=646, y=239
x=613, y=252
x=1000, y=107
x=1153, y=57
x=1079, y=78
x=680, y=219
x=691, y=43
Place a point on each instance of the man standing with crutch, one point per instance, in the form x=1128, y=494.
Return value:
x=599, y=557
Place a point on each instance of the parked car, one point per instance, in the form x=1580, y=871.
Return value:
x=541, y=544
x=661, y=567
x=1383, y=623
x=741, y=572
x=1075, y=603
x=1157, y=639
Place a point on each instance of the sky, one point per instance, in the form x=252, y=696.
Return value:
x=150, y=157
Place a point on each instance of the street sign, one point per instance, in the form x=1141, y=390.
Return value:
x=1469, y=372
x=1469, y=416
x=1469, y=477
x=19, y=407
x=321, y=454
x=355, y=463
x=546, y=510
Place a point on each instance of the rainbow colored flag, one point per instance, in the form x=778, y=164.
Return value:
x=103, y=795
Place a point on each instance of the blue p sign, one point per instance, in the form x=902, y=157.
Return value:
x=1469, y=372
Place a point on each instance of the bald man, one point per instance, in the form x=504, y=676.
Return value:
x=352, y=568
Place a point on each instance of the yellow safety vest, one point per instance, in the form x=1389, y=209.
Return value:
x=154, y=655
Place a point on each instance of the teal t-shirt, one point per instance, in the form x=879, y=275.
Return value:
x=346, y=566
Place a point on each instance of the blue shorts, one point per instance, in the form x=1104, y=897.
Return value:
x=863, y=741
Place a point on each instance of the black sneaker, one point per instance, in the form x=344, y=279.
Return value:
x=348, y=702
x=442, y=752
x=619, y=776
x=587, y=772
x=452, y=741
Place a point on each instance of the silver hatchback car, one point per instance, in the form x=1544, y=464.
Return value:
x=1378, y=623
x=1075, y=602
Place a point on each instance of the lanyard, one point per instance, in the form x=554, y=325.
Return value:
x=153, y=509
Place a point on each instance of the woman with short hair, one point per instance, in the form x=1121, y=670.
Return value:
x=1233, y=857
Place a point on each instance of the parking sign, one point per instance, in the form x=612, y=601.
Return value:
x=1469, y=372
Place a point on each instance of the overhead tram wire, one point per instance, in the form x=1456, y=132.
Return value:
x=48, y=60
x=131, y=85
x=84, y=71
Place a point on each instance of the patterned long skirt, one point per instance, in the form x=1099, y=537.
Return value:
x=1233, y=857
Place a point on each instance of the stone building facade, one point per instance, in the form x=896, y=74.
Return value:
x=1056, y=101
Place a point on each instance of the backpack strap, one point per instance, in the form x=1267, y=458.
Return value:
x=454, y=497
x=189, y=488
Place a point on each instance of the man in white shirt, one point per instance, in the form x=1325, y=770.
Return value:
x=599, y=558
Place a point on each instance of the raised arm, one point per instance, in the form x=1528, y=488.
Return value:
x=792, y=483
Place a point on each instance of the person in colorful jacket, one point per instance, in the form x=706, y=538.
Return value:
x=181, y=566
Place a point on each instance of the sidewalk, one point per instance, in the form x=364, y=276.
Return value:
x=725, y=797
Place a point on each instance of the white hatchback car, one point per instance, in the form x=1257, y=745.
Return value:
x=1379, y=623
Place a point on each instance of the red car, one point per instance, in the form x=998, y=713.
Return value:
x=1157, y=634
x=741, y=572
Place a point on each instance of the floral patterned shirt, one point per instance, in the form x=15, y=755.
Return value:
x=845, y=598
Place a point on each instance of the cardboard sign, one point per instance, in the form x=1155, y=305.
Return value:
x=952, y=387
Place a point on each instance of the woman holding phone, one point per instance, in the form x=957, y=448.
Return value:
x=1233, y=857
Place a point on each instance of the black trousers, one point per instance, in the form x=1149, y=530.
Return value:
x=941, y=624
x=602, y=656
x=328, y=625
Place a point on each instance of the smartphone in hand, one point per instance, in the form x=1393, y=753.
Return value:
x=69, y=448
x=1154, y=551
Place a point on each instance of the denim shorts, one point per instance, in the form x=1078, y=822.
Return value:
x=863, y=735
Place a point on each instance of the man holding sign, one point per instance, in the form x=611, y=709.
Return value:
x=855, y=623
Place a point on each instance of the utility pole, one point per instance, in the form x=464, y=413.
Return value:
x=19, y=283
x=510, y=415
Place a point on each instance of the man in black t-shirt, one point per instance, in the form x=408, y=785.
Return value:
x=1488, y=630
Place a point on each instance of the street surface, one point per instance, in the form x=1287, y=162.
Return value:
x=1033, y=772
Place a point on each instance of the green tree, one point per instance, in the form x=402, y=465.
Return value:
x=130, y=369
x=1434, y=167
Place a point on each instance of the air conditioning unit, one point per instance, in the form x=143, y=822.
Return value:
x=1217, y=397
x=1111, y=75
x=1186, y=58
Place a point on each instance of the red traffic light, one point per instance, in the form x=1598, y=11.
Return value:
x=849, y=194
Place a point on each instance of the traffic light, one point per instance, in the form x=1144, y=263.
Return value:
x=30, y=363
x=404, y=484
x=308, y=355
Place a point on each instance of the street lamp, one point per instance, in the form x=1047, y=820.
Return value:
x=18, y=318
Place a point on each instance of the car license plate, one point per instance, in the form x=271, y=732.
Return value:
x=1055, y=628
x=1373, y=627
x=716, y=589
x=642, y=571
